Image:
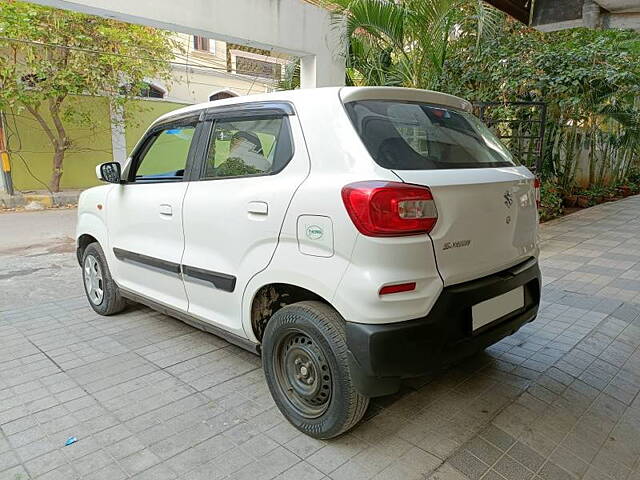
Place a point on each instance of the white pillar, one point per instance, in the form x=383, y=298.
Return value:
x=293, y=27
x=118, y=134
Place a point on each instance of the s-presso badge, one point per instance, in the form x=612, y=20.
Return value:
x=458, y=244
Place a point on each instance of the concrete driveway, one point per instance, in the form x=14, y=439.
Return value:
x=148, y=397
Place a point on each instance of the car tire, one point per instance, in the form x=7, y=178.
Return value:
x=102, y=292
x=304, y=357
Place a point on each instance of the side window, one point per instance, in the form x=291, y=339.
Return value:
x=164, y=157
x=244, y=147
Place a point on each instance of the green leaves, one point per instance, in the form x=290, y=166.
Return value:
x=49, y=54
x=403, y=42
x=590, y=80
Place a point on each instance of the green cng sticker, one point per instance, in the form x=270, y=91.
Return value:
x=314, y=232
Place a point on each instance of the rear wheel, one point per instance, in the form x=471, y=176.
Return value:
x=304, y=357
x=102, y=292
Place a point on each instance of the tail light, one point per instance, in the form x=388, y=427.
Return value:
x=536, y=186
x=390, y=209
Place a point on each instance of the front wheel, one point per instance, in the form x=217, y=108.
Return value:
x=304, y=357
x=102, y=292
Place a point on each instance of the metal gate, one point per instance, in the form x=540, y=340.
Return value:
x=520, y=125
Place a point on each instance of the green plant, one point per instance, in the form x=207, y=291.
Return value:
x=550, y=202
x=633, y=176
x=590, y=81
x=49, y=55
x=407, y=42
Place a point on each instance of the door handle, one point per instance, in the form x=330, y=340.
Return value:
x=259, y=208
x=166, y=210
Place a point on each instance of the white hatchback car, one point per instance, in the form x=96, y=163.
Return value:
x=351, y=236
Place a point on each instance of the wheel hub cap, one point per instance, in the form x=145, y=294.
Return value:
x=93, y=280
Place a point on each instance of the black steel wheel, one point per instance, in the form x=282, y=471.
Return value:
x=304, y=357
x=303, y=372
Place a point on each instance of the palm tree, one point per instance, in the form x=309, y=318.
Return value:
x=406, y=42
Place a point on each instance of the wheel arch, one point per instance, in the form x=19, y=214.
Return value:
x=91, y=228
x=271, y=297
x=82, y=243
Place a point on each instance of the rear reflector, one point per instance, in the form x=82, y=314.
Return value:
x=390, y=209
x=401, y=287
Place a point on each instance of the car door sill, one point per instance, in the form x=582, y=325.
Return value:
x=192, y=320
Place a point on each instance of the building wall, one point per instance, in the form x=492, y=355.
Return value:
x=205, y=75
x=297, y=28
x=32, y=154
x=194, y=85
x=208, y=72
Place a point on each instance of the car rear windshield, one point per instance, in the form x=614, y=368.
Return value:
x=419, y=136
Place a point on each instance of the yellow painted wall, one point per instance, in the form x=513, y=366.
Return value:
x=32, y=153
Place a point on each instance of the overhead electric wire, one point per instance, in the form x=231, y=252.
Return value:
x=18, y=153
x=121, y=55
x=15, y=131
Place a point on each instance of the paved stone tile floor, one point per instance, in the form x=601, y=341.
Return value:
x=149, y=397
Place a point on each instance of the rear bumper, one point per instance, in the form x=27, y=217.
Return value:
x=381, y=355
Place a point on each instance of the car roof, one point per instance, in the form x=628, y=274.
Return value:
x=346, y=94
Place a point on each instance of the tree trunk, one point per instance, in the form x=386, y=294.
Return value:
x=57, y=136
x=593, y=154
x=56, y=174
x=61, y=145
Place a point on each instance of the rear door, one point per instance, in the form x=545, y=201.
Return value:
x=487, y=215
x=254, y=162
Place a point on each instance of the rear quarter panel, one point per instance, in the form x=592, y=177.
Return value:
x=337, y=158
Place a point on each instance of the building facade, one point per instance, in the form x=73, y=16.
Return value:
x=206, y=69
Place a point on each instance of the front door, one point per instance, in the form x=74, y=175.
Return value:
x=146, y=240
x=233, y=214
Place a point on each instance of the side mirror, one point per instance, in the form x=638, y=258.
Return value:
x=109, y=172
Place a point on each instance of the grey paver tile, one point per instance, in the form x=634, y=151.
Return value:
x=269, y=466
x=561, y=396
x=493, y=475
x=199, y=455
x=303, y=445
x=45, y=463
x=511, y=469
x=299, y=471
x=526, y=456
x=159, y=472
x=483, y=450
x=139, y=462
x=447, y=472
x=111, y=472
x=61, y=473
x=550, y=471
x=223, y=466
x=14, y=473
x=336, y=453
x=92, y=462
x=468, y=464
x=7, y=460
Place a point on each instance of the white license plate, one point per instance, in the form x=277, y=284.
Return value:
x=486, y=312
